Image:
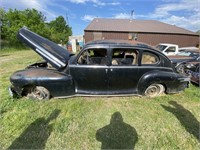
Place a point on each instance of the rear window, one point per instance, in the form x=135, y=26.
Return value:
x=124, y=56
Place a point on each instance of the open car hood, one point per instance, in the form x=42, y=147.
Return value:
x=50, y=51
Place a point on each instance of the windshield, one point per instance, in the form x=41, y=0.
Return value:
x=161, y=47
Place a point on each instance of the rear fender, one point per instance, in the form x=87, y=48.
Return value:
x=159, y=77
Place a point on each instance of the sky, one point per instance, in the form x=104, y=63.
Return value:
x=79, y=13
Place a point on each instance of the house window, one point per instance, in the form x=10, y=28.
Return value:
x=97, y=35
x=132, y=36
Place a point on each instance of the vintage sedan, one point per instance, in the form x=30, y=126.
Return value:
x=105, y=68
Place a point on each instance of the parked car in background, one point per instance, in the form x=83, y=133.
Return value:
x=192, y=69
x=183, y=57
x=188, y=48
x=168, y=49
x=107, y=67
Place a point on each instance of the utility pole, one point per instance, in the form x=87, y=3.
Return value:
x=132, y=13
x=67, y=21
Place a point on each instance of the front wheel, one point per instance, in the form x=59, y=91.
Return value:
x=38, y=93
x=154, y=90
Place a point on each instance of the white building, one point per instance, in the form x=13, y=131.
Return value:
x=76, y=42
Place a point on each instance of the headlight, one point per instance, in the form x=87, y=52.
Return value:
x=189, y=65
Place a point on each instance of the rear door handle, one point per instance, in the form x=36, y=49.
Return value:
x=106, y=70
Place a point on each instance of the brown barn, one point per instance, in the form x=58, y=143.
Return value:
x=148, y=31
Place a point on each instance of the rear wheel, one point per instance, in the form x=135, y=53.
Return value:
x=38, y=93
x=154, y=90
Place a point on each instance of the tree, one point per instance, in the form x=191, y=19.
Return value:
x=12, y=20
x=16, y=19
x=60, y=31
x=2, y=20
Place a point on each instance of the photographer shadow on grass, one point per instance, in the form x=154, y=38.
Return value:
x=117, y=135
x=185, y=117
x=36, y=134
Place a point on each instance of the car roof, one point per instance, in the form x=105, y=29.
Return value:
x=168, y=44
x=120, y=43
x=191, y=50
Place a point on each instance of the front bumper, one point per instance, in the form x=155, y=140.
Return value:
x=185, y=79
x=11, y=92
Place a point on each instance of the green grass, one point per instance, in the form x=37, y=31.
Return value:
x=166, y=122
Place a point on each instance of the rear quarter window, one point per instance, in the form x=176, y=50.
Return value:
x=149, y=58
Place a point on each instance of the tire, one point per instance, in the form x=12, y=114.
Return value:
x=154, y=90
x=38, y=93
x=180, y=69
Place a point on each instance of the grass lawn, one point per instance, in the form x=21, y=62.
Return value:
x=166, y=122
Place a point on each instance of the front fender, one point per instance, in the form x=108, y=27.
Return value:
x=160, y=77
x=58, y=83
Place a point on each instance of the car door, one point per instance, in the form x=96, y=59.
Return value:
x=90, y=72
x=123, y=72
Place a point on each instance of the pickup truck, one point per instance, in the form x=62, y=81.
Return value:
x=168, y=49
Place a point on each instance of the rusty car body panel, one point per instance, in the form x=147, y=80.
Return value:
x=185, y=56
x=106, y=67
x=191, y=69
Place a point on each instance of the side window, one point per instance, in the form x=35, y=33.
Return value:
x=123, y=56
x=94, y=57
x=171, y=49
x=149, y=58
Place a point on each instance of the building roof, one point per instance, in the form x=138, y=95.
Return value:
x=131, y=25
